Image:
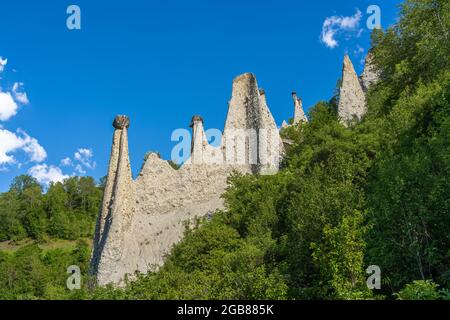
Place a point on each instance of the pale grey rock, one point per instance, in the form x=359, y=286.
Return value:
x=121, y=122
x=352, y=100
x=299, y=113
x=371, y=74
x=115, y=218
x=141, y=219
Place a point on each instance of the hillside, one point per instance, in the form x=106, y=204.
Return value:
x=374, y=193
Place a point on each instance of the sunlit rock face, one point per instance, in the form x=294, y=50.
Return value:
x=352, y=100
x=371, y=74
x=141, y=219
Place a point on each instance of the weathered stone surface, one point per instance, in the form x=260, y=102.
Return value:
x=248, y=111
x=114, y=221
x=121, y=122
x=370, y=75
x=299, y=114
x=140, y=220
x=200, y=149
x=196, y=119
x=352, y=101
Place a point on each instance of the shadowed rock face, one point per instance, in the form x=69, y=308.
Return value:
x=195, y=119
x=299, y=113
x=121, y=122
x=352, y=100
x=117, y=206
x=141, y=219
x=370, y=75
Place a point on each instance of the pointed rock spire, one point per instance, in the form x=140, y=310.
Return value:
x=142, y=219
x=299, y=113
x=370, y=74
x=198, y=140
x=352, y=104
x=115, y=216
x=249, y=119
x=262, y=95
x=244, y=104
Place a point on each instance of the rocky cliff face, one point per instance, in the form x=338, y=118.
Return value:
x=141, y=219
x=370, y=75
x=116, y=216
x=299, y=113
x=352, y=100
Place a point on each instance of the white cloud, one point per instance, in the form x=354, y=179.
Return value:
x=8, y=107
x=9, y=100
x=328, y=39
x=84, y=156
x=32, y=147
x=79, y=169
x=19, y=94
x=82, y=161
x=337, y=24
x=359, y=33
x=3, y=63
x=46, y=174
x=350, y=22
x=83, y=153
x=67, y=162
x=359, y=50
x=12, y=142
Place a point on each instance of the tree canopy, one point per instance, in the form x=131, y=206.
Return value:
x=376, y=193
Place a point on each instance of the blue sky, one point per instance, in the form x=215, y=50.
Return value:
x=160, y=62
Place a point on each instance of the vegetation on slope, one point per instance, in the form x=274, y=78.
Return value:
x=66, y=210
x=347, y=198
x=373, y=194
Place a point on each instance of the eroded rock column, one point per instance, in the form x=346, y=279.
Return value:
x=299, y=113
x=352, y=104
x=117, y=208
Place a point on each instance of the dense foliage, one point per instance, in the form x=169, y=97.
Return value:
x=376, y=193
x=66, y=210
x=347, y=198
x=34, y=273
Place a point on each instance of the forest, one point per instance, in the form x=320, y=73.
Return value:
x=375, y=193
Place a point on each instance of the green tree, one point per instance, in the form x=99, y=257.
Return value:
x=341, y=257
x=419, y=290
